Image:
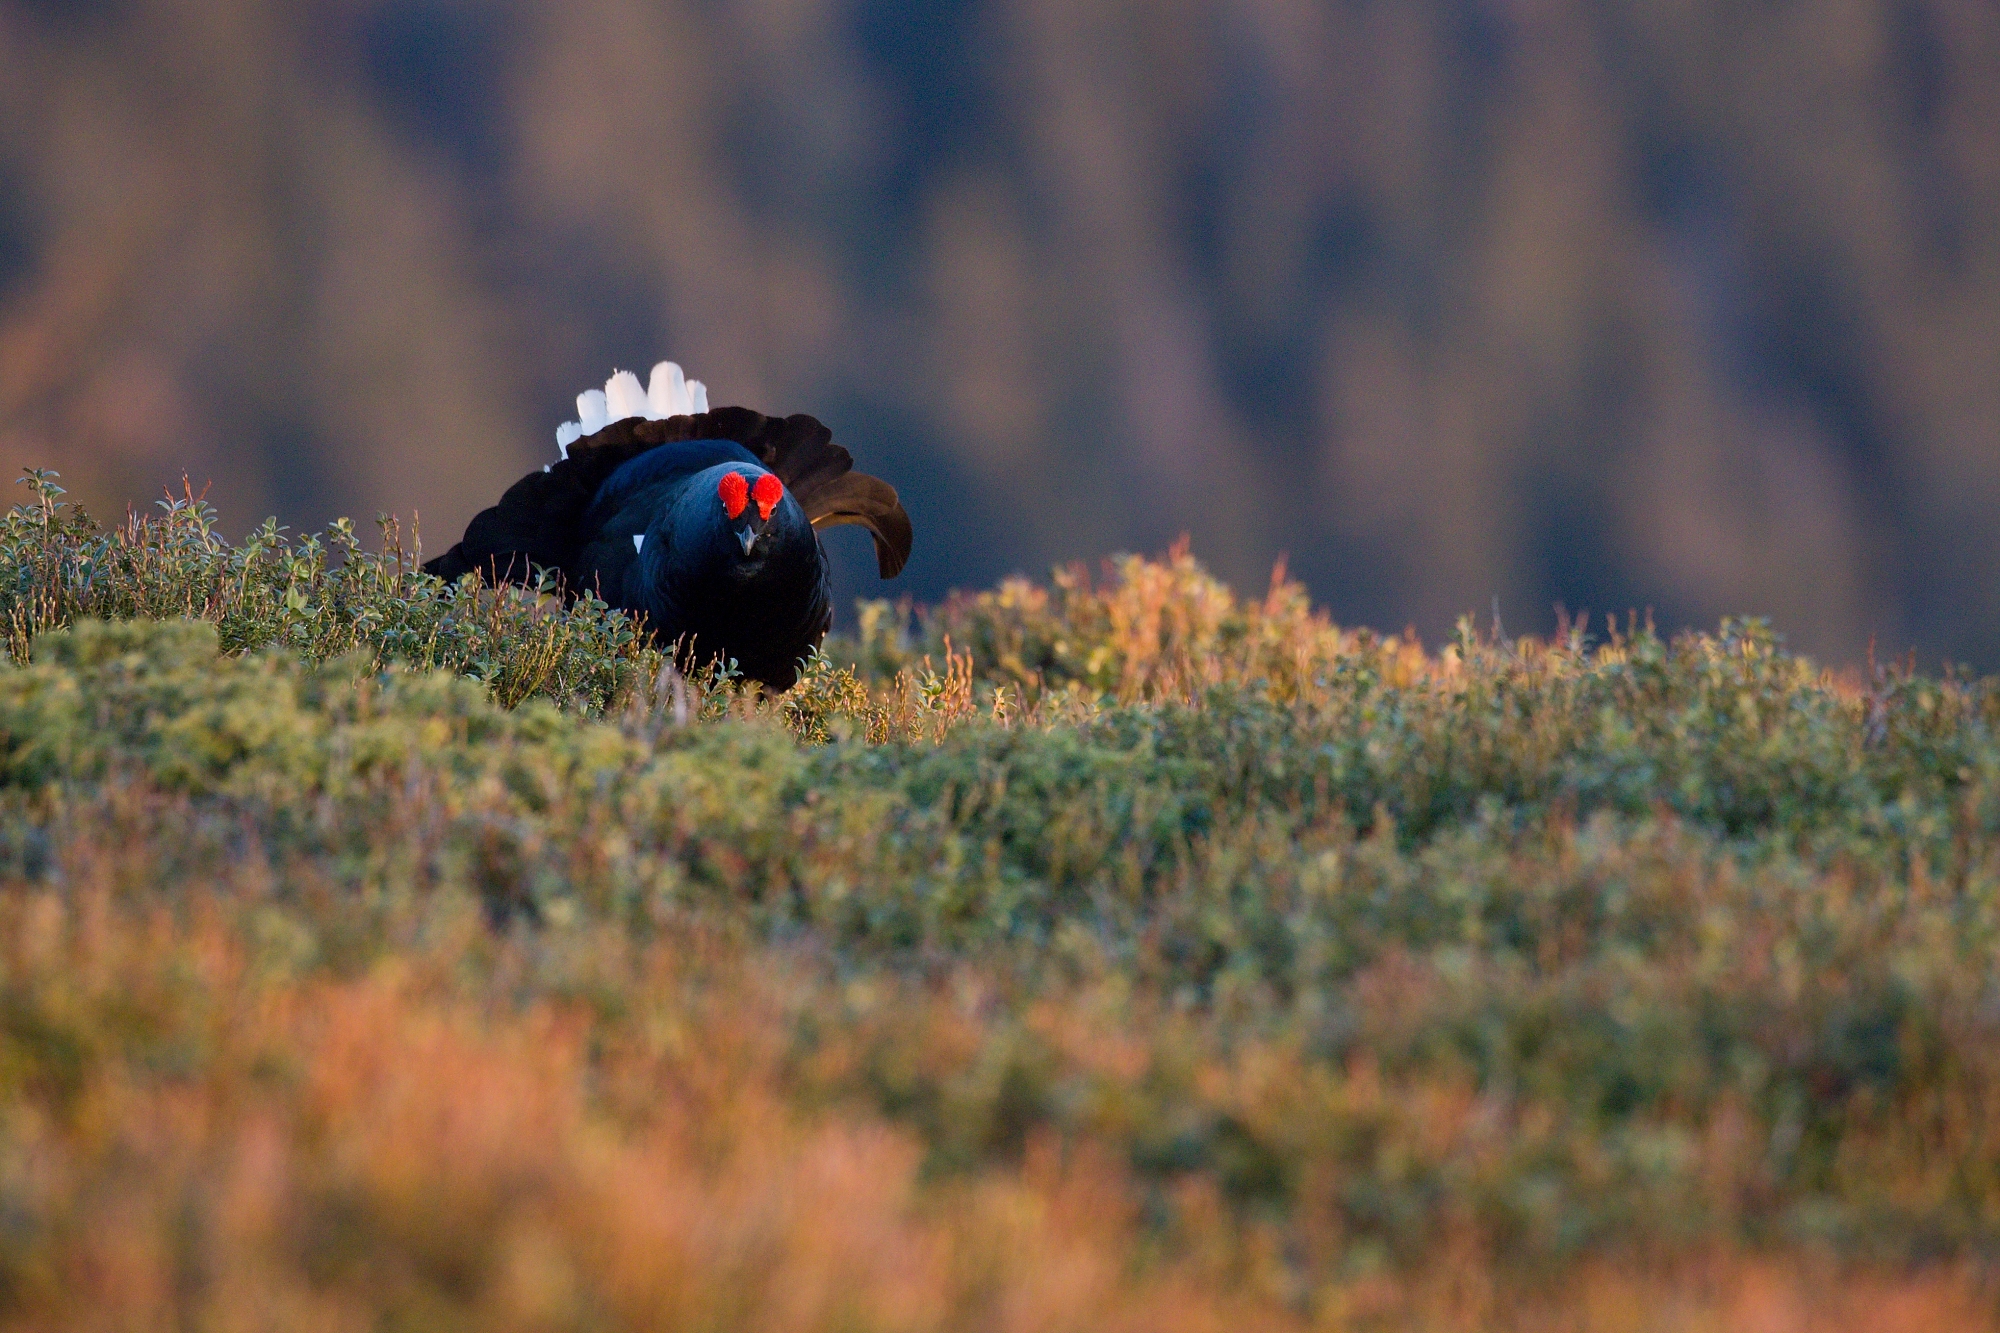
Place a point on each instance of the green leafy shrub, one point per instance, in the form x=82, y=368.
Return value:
x=318, y=598
x=1287, y=970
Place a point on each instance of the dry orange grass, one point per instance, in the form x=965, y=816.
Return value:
x=417, y=1146
x=401, y=1149
x=1128, y=956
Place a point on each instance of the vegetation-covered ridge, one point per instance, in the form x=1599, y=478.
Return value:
x=1116, y=953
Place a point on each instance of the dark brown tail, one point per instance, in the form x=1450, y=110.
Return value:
x=539, y=521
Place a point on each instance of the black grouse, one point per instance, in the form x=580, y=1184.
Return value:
x=702, y=520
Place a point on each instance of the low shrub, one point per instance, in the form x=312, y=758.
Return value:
x=1120, y=953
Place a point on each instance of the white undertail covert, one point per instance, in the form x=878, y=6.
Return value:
x=668, y=394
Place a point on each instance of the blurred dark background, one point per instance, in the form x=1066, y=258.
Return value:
x=1686, y=305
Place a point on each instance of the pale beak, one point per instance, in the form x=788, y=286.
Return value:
x=749, y=539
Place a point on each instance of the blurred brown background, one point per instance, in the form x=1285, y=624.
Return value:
x=1674, y=304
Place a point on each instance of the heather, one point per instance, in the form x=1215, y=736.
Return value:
x=1115, y=952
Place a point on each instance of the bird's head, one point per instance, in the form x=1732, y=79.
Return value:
x=738, y=524
x=752, y=504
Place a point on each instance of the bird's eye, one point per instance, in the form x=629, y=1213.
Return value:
x=767, y=492
x=735, y=493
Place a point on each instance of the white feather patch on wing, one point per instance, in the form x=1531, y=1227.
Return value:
x=638, y=541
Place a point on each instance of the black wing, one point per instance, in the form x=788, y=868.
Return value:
x=540, y=520
x=818, y=472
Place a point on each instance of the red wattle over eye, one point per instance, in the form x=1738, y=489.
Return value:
x=767, y=492
x=735, y=493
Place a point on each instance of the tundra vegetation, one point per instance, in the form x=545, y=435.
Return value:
x=1116, y=953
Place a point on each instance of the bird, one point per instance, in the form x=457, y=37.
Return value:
x=705, y=523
